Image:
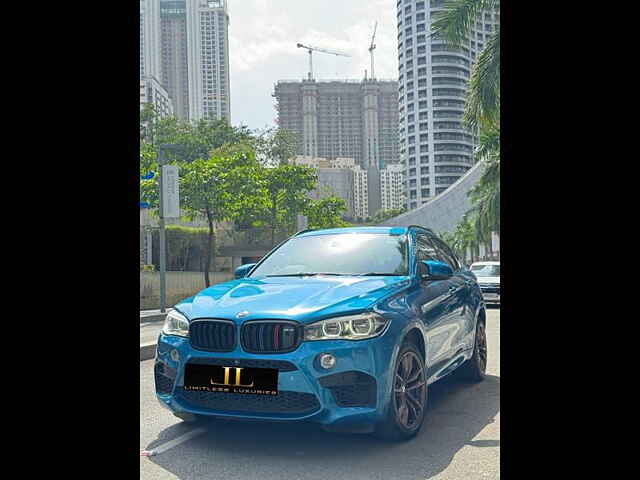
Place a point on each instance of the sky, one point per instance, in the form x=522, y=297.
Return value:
x=262, y=47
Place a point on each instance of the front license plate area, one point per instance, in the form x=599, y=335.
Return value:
x=215, y=378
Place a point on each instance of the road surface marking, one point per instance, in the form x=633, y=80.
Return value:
x=172, y=443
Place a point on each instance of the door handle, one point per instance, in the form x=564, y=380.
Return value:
x=453, y=289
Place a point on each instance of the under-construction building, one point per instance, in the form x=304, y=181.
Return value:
x=342, y=118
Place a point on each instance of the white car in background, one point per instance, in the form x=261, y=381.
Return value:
x=488, y=275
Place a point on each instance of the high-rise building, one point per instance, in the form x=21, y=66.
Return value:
x=342, y=118
x=152, y=91
x=149, y=38
x=360, y=192
x=391, y=187
x=208, y=59
x=189, y=54
x=433, y=76
x=343, y=178
x=174, y=53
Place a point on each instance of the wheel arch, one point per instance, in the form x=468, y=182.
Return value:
x=482, y=315
x=416, y=336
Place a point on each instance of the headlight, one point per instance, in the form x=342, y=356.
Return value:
x=176, y=324
x=353, y=327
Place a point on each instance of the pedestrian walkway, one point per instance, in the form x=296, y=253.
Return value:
x=153, y=313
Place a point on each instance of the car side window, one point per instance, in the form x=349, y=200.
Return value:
x=424, y=249
x=445, y=253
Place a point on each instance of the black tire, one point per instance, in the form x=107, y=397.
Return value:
x=405, y=415
x=473, y=370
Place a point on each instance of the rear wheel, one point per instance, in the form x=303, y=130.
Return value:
x=473, y=370
x=406, y=410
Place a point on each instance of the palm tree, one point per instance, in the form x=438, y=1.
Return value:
x=485, y=195
x=482, y=110
x=454, y=24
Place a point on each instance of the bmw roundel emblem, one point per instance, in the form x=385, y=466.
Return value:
x=242, y=314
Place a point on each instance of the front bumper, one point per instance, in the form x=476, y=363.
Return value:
x=491, y=297
x=352, y=396
x=490, y=294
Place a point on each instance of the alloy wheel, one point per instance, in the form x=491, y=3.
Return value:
x=409, y=391
x=481, y=347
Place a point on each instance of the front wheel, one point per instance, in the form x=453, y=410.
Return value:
x=406, y=410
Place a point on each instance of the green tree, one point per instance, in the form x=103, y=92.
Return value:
x=148, y=162
x=148, y=120
x=450, y=239
x=220, y=188
x=284, y=190
x=384, y=215
x=463, y=239
x=193, y=139
x=327, y=213
x=276, y=146
x=485, y=195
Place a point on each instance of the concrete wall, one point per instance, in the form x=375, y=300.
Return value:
x=179, y=285
x=444, y=212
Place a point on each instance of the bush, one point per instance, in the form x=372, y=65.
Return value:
x=186, y=247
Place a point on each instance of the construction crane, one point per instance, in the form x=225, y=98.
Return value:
x=315, y=49
x=371, y=49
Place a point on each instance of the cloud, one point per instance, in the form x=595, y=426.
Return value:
x=263, y=35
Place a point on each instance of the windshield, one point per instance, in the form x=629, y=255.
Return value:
x=486, y=270
x=338, y=254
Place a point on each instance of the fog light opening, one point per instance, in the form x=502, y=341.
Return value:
x=326, y=360
x=175, y=356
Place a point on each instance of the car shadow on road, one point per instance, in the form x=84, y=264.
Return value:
x=457, y=413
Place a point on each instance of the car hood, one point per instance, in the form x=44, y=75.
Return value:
x=302, y=299
x=482, y=280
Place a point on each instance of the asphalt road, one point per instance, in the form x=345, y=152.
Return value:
x=149, y=331
x=460, y=439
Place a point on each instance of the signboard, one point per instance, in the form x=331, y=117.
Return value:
x=303, y=222
x=495, y=242
x=170, y=191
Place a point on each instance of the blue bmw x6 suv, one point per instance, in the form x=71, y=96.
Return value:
x=344, y=327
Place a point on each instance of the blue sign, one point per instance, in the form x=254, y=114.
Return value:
x=144, y=205
x=147, y=176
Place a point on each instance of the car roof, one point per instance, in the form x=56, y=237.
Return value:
x=334, y=231
x=485, y=263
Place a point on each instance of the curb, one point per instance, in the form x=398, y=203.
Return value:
x=147, y=351
x=153, y=318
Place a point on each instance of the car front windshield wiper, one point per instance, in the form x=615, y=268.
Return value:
x=308, y=274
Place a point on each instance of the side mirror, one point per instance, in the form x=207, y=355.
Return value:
x=434, y=270
x=242, y=270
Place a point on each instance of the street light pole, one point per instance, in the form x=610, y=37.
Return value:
x=163, y=256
